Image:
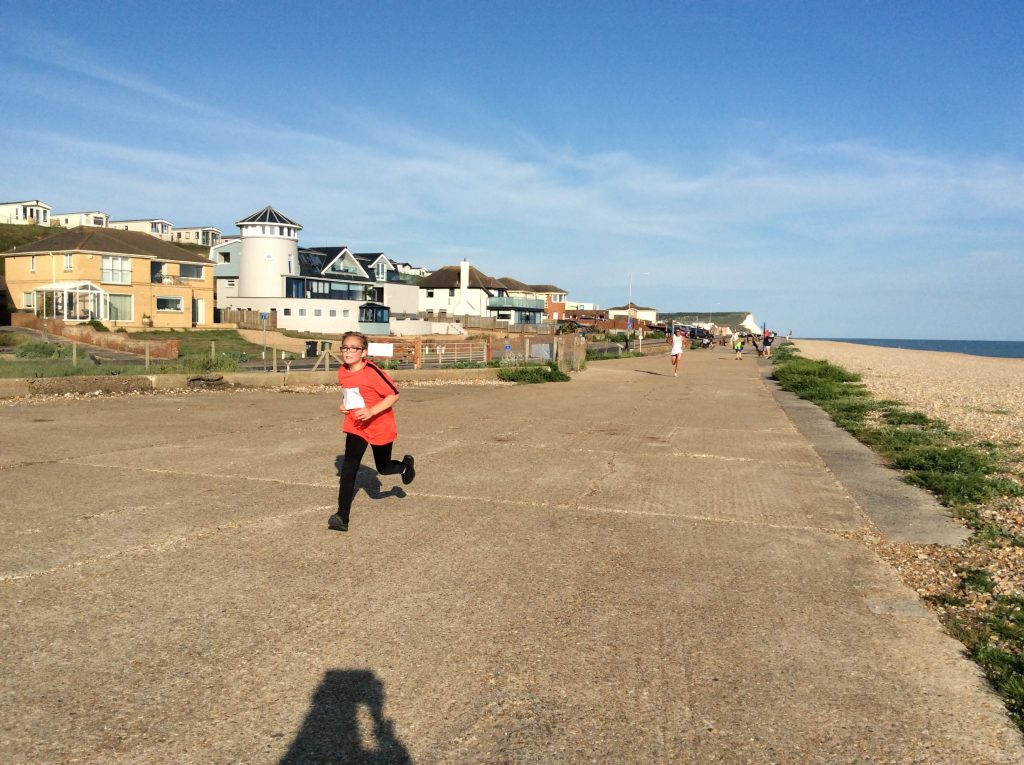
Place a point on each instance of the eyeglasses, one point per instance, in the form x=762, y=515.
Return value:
x=351, y=347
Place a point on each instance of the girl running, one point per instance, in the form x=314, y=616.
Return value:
x=368, y=397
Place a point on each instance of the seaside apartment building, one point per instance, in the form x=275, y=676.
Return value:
x=315, y=289
x=30, y=212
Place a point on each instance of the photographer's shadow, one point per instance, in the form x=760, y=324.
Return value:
x=330, y=734
x=368, y=479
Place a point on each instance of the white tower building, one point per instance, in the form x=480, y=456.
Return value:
x=269, y=252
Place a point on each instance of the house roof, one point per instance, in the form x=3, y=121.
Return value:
x=547, y=288
x=28, y=202
x=448, y=277
x=314, y=260
x=514, y=284
x=634, y=306
x=268, y=215
x=109, y=240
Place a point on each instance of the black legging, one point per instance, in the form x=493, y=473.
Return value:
x=355, y=448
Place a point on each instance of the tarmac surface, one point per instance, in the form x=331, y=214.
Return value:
x=629, y=567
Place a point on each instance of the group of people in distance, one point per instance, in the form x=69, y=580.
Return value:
x=764, y=350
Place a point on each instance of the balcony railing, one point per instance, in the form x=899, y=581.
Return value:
x=527, y=304
x=394, y=276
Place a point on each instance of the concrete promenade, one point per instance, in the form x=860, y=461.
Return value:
x=627, y=568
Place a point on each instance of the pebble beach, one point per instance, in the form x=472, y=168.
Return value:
x=980, y=396
x=976, y=394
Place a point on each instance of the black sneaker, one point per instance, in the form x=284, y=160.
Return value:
x=410, y=471
x=336, y=524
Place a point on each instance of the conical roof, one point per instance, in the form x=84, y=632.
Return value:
x=269, y=215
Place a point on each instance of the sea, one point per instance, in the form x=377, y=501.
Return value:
x=1003, y=349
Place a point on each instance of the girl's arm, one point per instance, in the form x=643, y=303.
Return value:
x=369, y=412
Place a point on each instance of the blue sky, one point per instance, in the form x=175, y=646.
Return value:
x=841, y=169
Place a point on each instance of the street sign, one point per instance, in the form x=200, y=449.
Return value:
x=264, y=316
x=508, y=347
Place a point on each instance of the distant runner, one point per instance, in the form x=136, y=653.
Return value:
x=677, y=349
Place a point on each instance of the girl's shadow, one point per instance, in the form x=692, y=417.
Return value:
x=368, y=480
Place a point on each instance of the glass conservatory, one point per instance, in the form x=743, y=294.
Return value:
x=80, y=301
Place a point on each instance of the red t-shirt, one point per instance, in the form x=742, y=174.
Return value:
x=372, y=384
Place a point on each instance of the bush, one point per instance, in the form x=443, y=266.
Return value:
x=10, y=340
x=98, y=325
x=37, y=349
x=533, y=374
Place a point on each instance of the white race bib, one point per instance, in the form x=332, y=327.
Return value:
x=352, y=398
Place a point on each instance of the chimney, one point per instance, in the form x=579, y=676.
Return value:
x=463, y=279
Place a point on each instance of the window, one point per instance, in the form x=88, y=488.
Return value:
x=28, y=299
x=289, y=265
x=169, y=304
x=344, y=313
x=302, y=312
x=382, y=271
x=115, y=270
x=96, y=221
x=451, y=292
x=287, y=311
x=119, y=307
x=332, y=313
x=46, y=216
x=374, y=314
x=231, y=282
x=69, y=263
x=430, y=293
x=191, y=272
x=32, y=263
x=317, y=312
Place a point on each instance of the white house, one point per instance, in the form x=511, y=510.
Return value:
x=647, y=315
x=157, y=227
x=71, y=219
x=30, y=212
x=464, y=291
x=207, y=236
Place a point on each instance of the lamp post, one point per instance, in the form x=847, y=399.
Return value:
x=630, y=312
